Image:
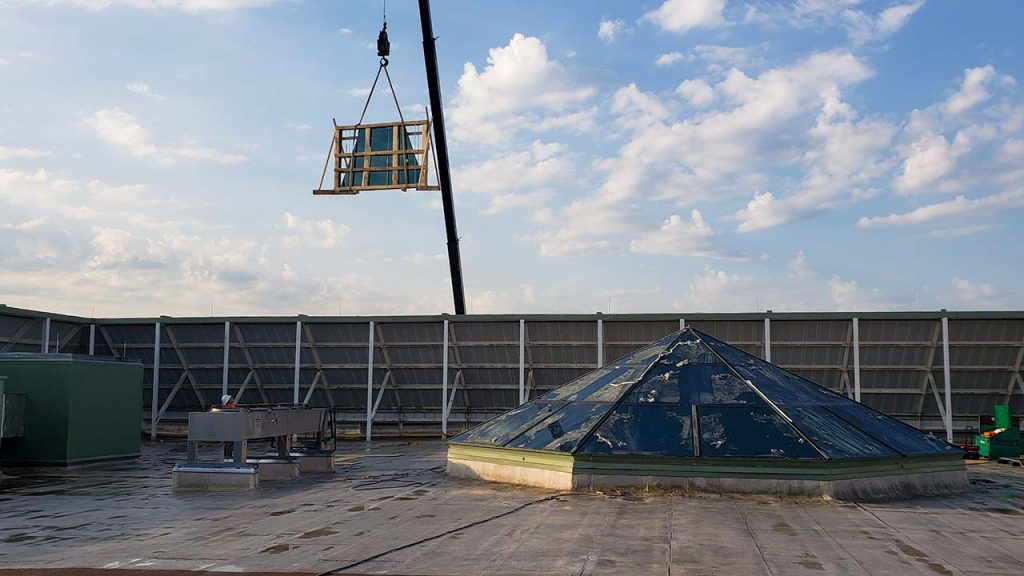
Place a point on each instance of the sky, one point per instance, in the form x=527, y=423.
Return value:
x=158, y=156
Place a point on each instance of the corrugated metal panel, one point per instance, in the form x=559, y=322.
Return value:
x=896, y=330
x=467, y=332
x=888, y=379
x=733, y=332
x=984, y=352
x=575, y=332
x=986, y=330
x=784, y=355
x=339, y=333
x=268, y=333
x=572, y=355
x=488, y=354
x=982, y=355
x=876, y=355
x=637, y=332
x=809, y=331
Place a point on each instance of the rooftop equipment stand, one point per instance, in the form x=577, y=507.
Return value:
x=443, y=172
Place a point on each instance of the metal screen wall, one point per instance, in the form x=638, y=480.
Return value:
x=893, y=362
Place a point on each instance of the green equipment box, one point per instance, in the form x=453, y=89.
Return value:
x=78, y=409
x=1004, y=444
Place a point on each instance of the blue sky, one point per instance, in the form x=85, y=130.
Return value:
x=157, y=156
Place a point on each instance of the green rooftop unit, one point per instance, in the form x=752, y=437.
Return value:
x=78, y=409
x=1000, y=439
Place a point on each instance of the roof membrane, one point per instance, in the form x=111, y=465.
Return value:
x=689, y=395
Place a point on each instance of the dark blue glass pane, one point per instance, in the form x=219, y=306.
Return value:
x=352, y=178
x=602, y=385
x=500, y=430
x=781, y=387
x=380, y=138
x=691, y=350
x=613, y=388
x=380, y=178
x=693, y=384
x=749, y=432
x=834, y=436
x=562, y=430
x=901, y=437
x=409, y=177
x=647, y=430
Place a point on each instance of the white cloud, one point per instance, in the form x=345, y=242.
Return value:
x=726, y=291
x=688, y=159
x=36, y=244
x=928, y=159
x=522, y=179
x=843, y=293
x=730, y=56
x=579, y=122
x=608, y=29
x=862, y=28
x=128, y=251
x=848, y=296
x=973, y=294
x=959, y=231
x=1013, y=150
x=972, y=90
x=518, y=81
x=719, y=291
x=798, y=266
x=143, y=89
x=957, y=208
x=680, y=16
x=344, y=31
x=313, y=233
x=7, y=153
x=421, y=259
x=123, y=131
x=298, y=127
x=668, y=58
x=761, y=108
x=120, y=248
x=680, y=237
x=9, y=58
x=182, y=5
x=636, y=109
x=358, y=92
x=847, y=156
x=697, y=92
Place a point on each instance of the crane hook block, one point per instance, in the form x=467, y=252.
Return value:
x=383, y=44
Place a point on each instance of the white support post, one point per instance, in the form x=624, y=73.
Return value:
x=369, y=388
x=682, y=324
x=92, y=339
x=154, y=415
x=947, y=385
x=298, y=360
x=856, y=360
x=767, y=339
x=522, y=360
x=45, y=347
x=227, y=359
x=444, y=381
x=600, y=342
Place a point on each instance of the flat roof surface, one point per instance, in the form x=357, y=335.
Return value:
x=390, y=509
